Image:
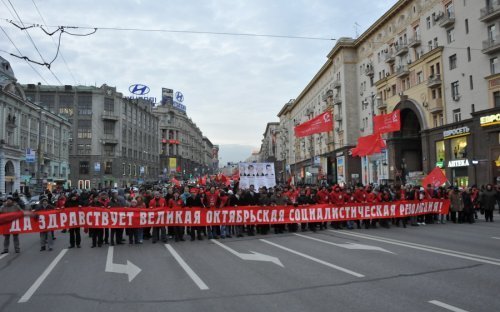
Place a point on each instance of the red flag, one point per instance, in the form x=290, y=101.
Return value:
x=204, y=180
x=368, y=145
x=387, y=123
x=320, y=123
x=179, y=169
x=176, y=182
x=435, y=178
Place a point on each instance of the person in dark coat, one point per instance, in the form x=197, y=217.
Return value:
x=75, y=238
x=468, y=206
x=488, y=201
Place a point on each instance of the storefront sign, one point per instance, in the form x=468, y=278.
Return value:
x=453, y=133
x=458, y=163
x=490, y=120
x=440, y=164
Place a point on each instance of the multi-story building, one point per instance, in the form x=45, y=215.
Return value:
x=435, y=61
x=34, y=141
x=268, y=149
x=113, y=140
x=184, y=151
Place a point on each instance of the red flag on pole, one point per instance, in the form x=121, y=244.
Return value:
x=387, y=123
x=368, y=145
x=320, y=123
x=435, y=178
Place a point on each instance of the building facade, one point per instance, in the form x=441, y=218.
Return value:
x=113, y=140
x=34, y=142
x=184, y=151
x=434, y=60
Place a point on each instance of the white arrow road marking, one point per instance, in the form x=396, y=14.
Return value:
x=3, y=256
x=446, y=306
x=42, y=277
x=442, y=251
x=253, y=256
x=333, y=266
x=196, y=279
x=347, y=245
x=130, y=269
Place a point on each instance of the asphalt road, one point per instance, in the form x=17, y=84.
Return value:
x=451, y=267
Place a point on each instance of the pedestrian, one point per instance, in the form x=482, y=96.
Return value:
x=456, y=205
x=159, y=232
x=10, y=206
x=46, y=239
x=488, y=201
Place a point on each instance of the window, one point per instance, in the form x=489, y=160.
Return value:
x=496, y=98
x=468, y=54
x=124, y=168
x=84, y=129
x=471, y=82
x=492, y=33
x=459, y=148
x=84, y=167
x=85, y=105
x=109, y=106
x=109, y=127
x=494, y=65
x=420, y=77
x=454, y=91
x=450, y=34
x=83, y=149
x=450, y=12
x=466, y=26
x=457, y=115
x=48, y=101
x=453, y=61
x=440, y=151
x=428, y=22
x=66, y=105
x=108, y=167
x=109, y=150
x=433, y=19
x=436, y=44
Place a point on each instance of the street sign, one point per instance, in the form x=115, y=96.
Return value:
x=30, y=155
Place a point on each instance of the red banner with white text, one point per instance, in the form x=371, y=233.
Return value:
x=387, y=123
x=134, y=218
x=320, y=123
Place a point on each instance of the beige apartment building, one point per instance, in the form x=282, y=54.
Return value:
x=434, y=60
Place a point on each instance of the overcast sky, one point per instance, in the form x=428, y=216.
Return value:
x=232, y=85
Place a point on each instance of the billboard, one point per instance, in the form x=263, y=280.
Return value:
x=257, y=174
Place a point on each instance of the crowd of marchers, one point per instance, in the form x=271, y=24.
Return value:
x=466, y=206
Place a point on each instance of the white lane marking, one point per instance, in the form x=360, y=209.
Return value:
x=333, y=266
x=26, y=297
x=447, y=252
x=347, y=245
x=253, y=256
x=496, y=237
x=130, y=269
x=446, y=306
x=3, y=256
x=196, y=279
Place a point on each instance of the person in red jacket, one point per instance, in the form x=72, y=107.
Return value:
x=212, y=201
x=337, y=199
x=323, y=197
x=225, y=230
x=158, y=232
x=176, y=203
x=349, y=199
x=371, y=198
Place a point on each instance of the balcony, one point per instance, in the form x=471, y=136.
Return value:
x=435, y=105
x=415, y=42
x=389, y=57
x=369, y=70
x=402, y=71
x=109, y=139
x=338, y=117
x=337, y=100
x=401, y=49
x=447, y=20
x=490, y=12
x=434, y=81
x=381, y=104
x=107, y=115
x=337, y=84
x=491, y=45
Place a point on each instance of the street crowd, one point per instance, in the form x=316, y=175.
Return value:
x=466, y=206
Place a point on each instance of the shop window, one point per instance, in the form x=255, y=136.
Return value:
x=459, y=148
x=440, y=153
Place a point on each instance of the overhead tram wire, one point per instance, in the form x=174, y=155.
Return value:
x=60, y=52
x=30, y=65
x=33, y=42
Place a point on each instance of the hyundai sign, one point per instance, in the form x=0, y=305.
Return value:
x=139, y=91
x=177, y=103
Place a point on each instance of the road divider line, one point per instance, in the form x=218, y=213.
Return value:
x=437, y=250
x=196, y=279
x=446, y=306
x=333, y=266
x=351, y=246
x=27, y=296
